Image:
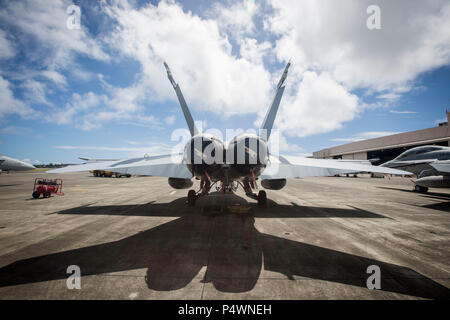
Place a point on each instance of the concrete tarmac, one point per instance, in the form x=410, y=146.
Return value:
x=135, y=238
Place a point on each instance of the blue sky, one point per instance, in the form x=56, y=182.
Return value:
x=101, y=90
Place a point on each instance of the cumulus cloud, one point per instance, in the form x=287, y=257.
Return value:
x=236, y=19
x=55, y=77
x=332, y=36
x=45, y=23
x=169, y=120
x=9, y=104
x=402, y=112
x=200, y=57
x=90, y=110
x=6, y=47
x=219, y=59
x=319, y=104
x=35, y=92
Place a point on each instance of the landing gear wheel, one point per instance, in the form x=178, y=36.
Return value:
x=262, y=199
x=420, y=189
x=117, y=175
x=36, y=194
x=191, y=198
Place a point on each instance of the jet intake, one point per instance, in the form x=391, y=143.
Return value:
x=273, y=184
x=179, y=183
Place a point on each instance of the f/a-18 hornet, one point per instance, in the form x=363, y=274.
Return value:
x=241, y=162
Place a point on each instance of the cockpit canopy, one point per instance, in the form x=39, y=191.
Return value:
x=419, y=150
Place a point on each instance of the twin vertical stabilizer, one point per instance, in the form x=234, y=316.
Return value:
x=187, y=114
x=267, y=124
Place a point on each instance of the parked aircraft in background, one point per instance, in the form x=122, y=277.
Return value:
x=7, y=164
x=431, y=165
x=242, y=162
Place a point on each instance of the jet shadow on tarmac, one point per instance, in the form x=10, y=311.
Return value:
x=233, y=250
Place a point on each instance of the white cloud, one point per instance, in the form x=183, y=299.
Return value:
x=9, y=104
x=236, y=19
x=169, y=120
x=253, y=51
x=6, y=48
x=77, y=106
x=90, y=110
x=82, y=74
x=318, y=105
x=285, y=146
x=35, y=92
x=402, y=112
x=45, y=22
x=199, y=55
x=55, y=76
x=332, y=36
x=333, y=53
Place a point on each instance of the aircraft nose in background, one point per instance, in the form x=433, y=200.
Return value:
x=30, y=166
x=27, y=166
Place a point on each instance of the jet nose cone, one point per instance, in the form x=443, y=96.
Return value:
x=28, y=166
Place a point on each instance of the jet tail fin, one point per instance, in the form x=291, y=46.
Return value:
x=272, y=112
x=187, y=114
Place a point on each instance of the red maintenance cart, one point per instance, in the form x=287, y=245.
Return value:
x=46, y=187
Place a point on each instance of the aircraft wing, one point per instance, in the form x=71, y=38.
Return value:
x=160, y=166
x=285, y=167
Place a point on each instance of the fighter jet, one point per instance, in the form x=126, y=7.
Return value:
x=243, y=161
x=429, y=163
x=7, y=164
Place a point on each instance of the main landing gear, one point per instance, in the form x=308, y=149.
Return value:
x=248, y=186
x=420, y=189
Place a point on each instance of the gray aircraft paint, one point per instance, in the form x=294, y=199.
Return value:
x=7, y=164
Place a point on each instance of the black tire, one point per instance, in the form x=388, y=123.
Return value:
x=117, y=175
x=420, y=189
x=36, y=194
x=192, y=196
x=262, y=198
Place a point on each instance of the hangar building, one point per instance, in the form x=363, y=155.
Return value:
x=388, y=147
